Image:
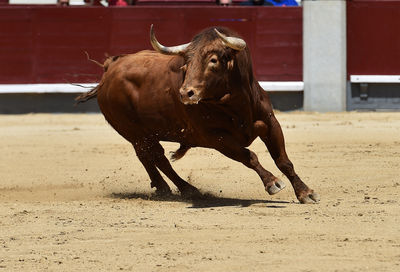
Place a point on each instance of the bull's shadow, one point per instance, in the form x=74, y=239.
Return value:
x=205, y=200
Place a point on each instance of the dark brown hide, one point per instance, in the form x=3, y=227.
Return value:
x=205, y=96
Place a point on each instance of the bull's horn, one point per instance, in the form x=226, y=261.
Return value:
x=232, y=42
x=172, y=50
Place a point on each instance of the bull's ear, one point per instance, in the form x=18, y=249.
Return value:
x=230, y=64
x=184, y=68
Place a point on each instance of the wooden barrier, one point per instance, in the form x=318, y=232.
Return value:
x=373, y=55
x=372, y=37
x=41, y=44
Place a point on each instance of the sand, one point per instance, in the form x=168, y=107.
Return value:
x=74, y=197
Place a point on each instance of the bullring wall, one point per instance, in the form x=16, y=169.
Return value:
x=46, y=44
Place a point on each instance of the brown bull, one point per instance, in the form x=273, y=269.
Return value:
x=200, y=94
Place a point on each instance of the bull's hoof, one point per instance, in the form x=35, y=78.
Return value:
x=163, y=192
x=190, y=192
x=276, y=187
x=310, y=198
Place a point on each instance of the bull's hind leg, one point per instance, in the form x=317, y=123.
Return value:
x=147, y=159
x=275, y=143
x=162, y=163
x=152, y=156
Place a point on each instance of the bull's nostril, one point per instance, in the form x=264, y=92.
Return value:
x=190, y=93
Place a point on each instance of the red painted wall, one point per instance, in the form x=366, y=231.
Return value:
x=46, y=44
x=373, y=37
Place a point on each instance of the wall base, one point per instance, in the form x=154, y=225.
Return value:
x=17, y=103
x=373, y=96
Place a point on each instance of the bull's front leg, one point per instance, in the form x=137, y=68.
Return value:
x=233, y=150
x=271, y=134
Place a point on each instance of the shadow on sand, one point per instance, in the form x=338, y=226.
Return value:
x=204, y=201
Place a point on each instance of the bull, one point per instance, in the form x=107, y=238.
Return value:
x=199, y=94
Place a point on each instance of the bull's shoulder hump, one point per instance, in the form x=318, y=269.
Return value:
x=144, y=59
x=144, y=66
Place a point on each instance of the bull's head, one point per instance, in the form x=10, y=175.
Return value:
x=209, y=63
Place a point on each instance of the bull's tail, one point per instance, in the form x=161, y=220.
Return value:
x=179, y=153
x=93, y=92
x=87, y=96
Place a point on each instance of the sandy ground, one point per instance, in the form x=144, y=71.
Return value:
x=74, y=197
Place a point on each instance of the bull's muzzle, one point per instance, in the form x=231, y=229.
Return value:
x=189, y=95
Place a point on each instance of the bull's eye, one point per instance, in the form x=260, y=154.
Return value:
x=214, y=60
